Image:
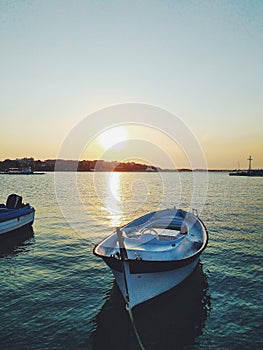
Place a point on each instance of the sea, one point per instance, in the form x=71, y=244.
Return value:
x=55, y=294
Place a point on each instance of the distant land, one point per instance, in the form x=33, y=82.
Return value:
x=50, y=165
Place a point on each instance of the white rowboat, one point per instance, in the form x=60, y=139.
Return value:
x=153, y=253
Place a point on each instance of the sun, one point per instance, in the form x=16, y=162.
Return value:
x=112, y=137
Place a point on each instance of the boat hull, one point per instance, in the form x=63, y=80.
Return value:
x=153, y=253
x=16, y=223
x=145, y=286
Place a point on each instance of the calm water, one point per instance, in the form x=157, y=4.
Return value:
x=56, y=295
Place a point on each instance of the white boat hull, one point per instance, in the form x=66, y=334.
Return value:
x=16, y=223
x=145, y=286
x=153, y=253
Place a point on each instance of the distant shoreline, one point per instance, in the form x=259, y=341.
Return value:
x=51, y=165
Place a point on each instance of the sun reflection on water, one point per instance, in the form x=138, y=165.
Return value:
x=113, y=198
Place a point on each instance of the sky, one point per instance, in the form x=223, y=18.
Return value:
x=61, y=61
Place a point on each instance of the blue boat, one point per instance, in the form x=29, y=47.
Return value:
x=14, y=215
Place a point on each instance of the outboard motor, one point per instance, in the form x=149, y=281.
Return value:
x=14, y=201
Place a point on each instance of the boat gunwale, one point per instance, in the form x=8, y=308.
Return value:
x=184, y=261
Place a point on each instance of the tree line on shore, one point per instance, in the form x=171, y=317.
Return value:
x=74, y=165
x=84, y=165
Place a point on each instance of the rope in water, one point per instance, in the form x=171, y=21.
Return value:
x=134, y=328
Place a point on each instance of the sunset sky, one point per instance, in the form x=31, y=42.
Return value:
x=201, y=61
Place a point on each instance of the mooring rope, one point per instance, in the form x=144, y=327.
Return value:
x=125, y=270
x=134, y=328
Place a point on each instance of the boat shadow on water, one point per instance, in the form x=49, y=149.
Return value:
x=174, y=320
x=17, y=241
